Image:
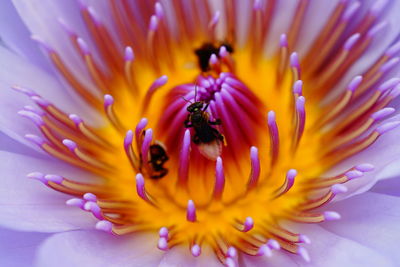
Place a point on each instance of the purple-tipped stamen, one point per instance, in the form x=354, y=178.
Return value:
x=248, y=224
x=354, y=83
x=386, y=127
x=164, y=232
x=304, y=254
x=148, y=137
x=219, y=179
x=351, y=41
x=255, y=168
x=184, y=158
x=274, y=136
x=304, y=239
x=191, y=212
x=105, y=226
x=298, y=87
x=264, y=250
x=365, y=167
x=195, y=250
x=381, y=114
x=129, y=54
x=331, y=216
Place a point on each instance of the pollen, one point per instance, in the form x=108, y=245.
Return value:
x=268, y=128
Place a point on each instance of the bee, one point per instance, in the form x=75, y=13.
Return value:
x=206, y=137
x=206, y=50
x=158, y=156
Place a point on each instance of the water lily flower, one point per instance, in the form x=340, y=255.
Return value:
x=199, y=133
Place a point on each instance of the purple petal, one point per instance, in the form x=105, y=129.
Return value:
x=93, y=248
x=17, y=36
x=20, y=247
x=372, y=220
x=28, y=205
x=181, y=256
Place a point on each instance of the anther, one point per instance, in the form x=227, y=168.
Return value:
x=153, y=25
x=94, y=209
x=37, y=176
x=248, y=224
x=386, y=127
x=76, y=202
x=158, y=10
x=191, y=212
x=338, y=189
x=231, y=252
x=295, y=66
x=148, y=137
x=90, y=197
x=298, y=88
x=140, y=188
x=109, y=110
x=129, y=54
x=381, y=114
x=163, y=232
x=353, y=174
x=264, y=250
x=304, y=239
x=289, y=181
x=83, y=46
x=272, y=243
x=365, y=167
x=54, y=178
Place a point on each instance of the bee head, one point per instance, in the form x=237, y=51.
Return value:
x=195, y=107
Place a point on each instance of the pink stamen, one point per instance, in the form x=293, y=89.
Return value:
x=355, y=83
x=148, y=137
x=304, y=239
x=298, y=88
x=386, y=127
x=76, y=202
x=283, y=42
x=191, y=212
x=54, y=178
x=140, y=188
x=351, y=10
x=83, y=46
x=153, y=25
x=338, y=189
x=184, y=158
x=219, y=180
x=351, y=41
x=158, y=10
x=301, y=118
x=264, y=250
x=37, y=176
x=381, y=114
x=274, y=136
x=163, y=232
x=232, y=252
x=90, y=197
x=129, y=54
x=272, y=243
x=255, y=168
x=365, y=167
x=248, y=224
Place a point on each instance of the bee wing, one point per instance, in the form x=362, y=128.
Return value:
x=211, y=150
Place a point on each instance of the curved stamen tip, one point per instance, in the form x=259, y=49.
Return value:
x=75, y=202
x=35, y=139
x=215, y=18
x=380, y=114
x=140, y=186
x=24, y=90
x=264, y=250
x=388, y=84
x=162, y=244
x=153, y=23
x=160, y=81
x=248, y=224
x=351, y=10
x=331, y=216
x=158, y=10
x=129, y=54
x=54, y=178
x=195, y=250
x=390, y=64
x=355, y=82
x=71, y=145
x=83, y=46
x=304, y=254
x=304, y=239
x=376, y=29
x=213, y=59
x=257, y=5
x=141, y=125
x=291, y=174
x=271, y=117
x=75, y=118
x=40, y=101
x=353, y=174
x=108, y=100
x=387, y=127
x=283, y=42
x=37, y=176
x=232, y=252
x=191, y=211
x=338, y=189
x=365, y=167
x=223, y=52
x=163, y=232
x=298, y=87
x=294, y=60
x=90, y=197
x=272, y=243
x=43, y=43
x=128, y=138
x=393, y=49
x=377, y=8
x=105, y=226
x=32, y=116
x=351, y=41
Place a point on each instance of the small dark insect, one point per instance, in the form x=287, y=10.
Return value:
x=158, y=156
x=206, y=50
x=208, y=138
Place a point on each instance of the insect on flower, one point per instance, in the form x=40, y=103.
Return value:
x=158, y=156
x=206, y=50
x=208, y=139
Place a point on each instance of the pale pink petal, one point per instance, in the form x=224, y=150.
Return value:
x=28, y=205
x=19, y=248
x=372, y=220
x=91, y=248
